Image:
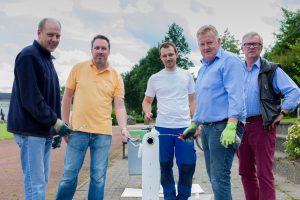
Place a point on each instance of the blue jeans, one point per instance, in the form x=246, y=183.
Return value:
x=185, y=159
x=218, y=159
x=76, y=149
x=35, y=160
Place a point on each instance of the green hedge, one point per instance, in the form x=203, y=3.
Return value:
x=139, y=120
x=114, y=118
x=292, y=143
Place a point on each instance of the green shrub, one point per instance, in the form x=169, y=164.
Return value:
x=139, y=120
x=292, y=143
x=114, y=118
x=130, y=120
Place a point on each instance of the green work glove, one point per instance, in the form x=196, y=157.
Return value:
x=56, y=142
x=190, y=131
x=62, y=128
x=228, y=134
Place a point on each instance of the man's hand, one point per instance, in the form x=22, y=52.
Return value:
x=125, y=135
x=198, y=132
x=148, y=116
x=228, y=134
x=281, y=115
x=190, y=131
x=62, y=128
x=56, y=143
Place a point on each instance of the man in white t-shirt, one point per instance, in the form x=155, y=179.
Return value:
x=174, y=89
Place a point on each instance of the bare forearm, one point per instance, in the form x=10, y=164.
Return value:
x=147, y=102
x=121, y=113
x=65, y=109
x=66, y=105
x=146, y=107
x=121, y=117
x=192, y=104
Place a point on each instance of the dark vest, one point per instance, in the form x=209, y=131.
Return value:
x=270, y=102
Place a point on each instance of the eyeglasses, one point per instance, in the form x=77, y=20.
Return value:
x=254, y=44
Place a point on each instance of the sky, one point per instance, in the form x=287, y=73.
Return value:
x=133, y=27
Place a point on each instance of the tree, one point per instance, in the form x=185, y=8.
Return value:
x=175, y=35
x=62, y=90
x=136, y=80
x=286, y=50
x=229, y=43
x=289, y=32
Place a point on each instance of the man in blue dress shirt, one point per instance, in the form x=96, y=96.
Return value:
x=265, y=83
x=220, y=109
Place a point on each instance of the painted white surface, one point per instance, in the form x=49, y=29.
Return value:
x=150, y=166
x=197, y=192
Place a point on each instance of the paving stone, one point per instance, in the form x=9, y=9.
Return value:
x=118, y=179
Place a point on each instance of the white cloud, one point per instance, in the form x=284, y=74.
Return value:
x=6, y=78
x=120, y=62
x=133, y=26
x=138, y=6
x=37, y=8
x=111, y=6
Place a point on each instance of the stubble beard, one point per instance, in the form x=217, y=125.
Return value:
x=100, y=61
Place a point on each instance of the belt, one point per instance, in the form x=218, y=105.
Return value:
x=224, y=120
x=212, y=123
x=254, y=118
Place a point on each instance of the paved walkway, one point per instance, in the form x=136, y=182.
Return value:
x=118, y=179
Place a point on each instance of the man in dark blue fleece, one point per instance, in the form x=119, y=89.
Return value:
x=34, y=110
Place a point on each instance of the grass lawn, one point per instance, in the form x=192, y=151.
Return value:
x=289, y=119
x=3, y=133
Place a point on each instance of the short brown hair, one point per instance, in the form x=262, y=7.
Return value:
x=101, y=37
x=166, y=45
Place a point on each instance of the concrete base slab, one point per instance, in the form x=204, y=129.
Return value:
x=137, y=192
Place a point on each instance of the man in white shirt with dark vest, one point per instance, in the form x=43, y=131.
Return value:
x=265, y=82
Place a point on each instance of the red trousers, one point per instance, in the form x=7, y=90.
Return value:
x=256, y=159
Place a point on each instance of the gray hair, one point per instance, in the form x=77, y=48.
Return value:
x=207, y=28
x=252, y=34
x=43, y=22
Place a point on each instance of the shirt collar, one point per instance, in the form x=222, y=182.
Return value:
x=44, y=51
x=256, y=64
x=108, y=68
x=217, y=56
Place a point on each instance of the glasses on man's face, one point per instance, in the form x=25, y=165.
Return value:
x=252, y=44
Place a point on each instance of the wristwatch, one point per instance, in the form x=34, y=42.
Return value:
x=283, y=113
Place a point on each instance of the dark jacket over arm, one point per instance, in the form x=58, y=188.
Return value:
x=35, y=100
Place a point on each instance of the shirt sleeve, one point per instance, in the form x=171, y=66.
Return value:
x=119, y=89
x=71, y=81
x=150, y=91
x=233, y=79
x=282, y=83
